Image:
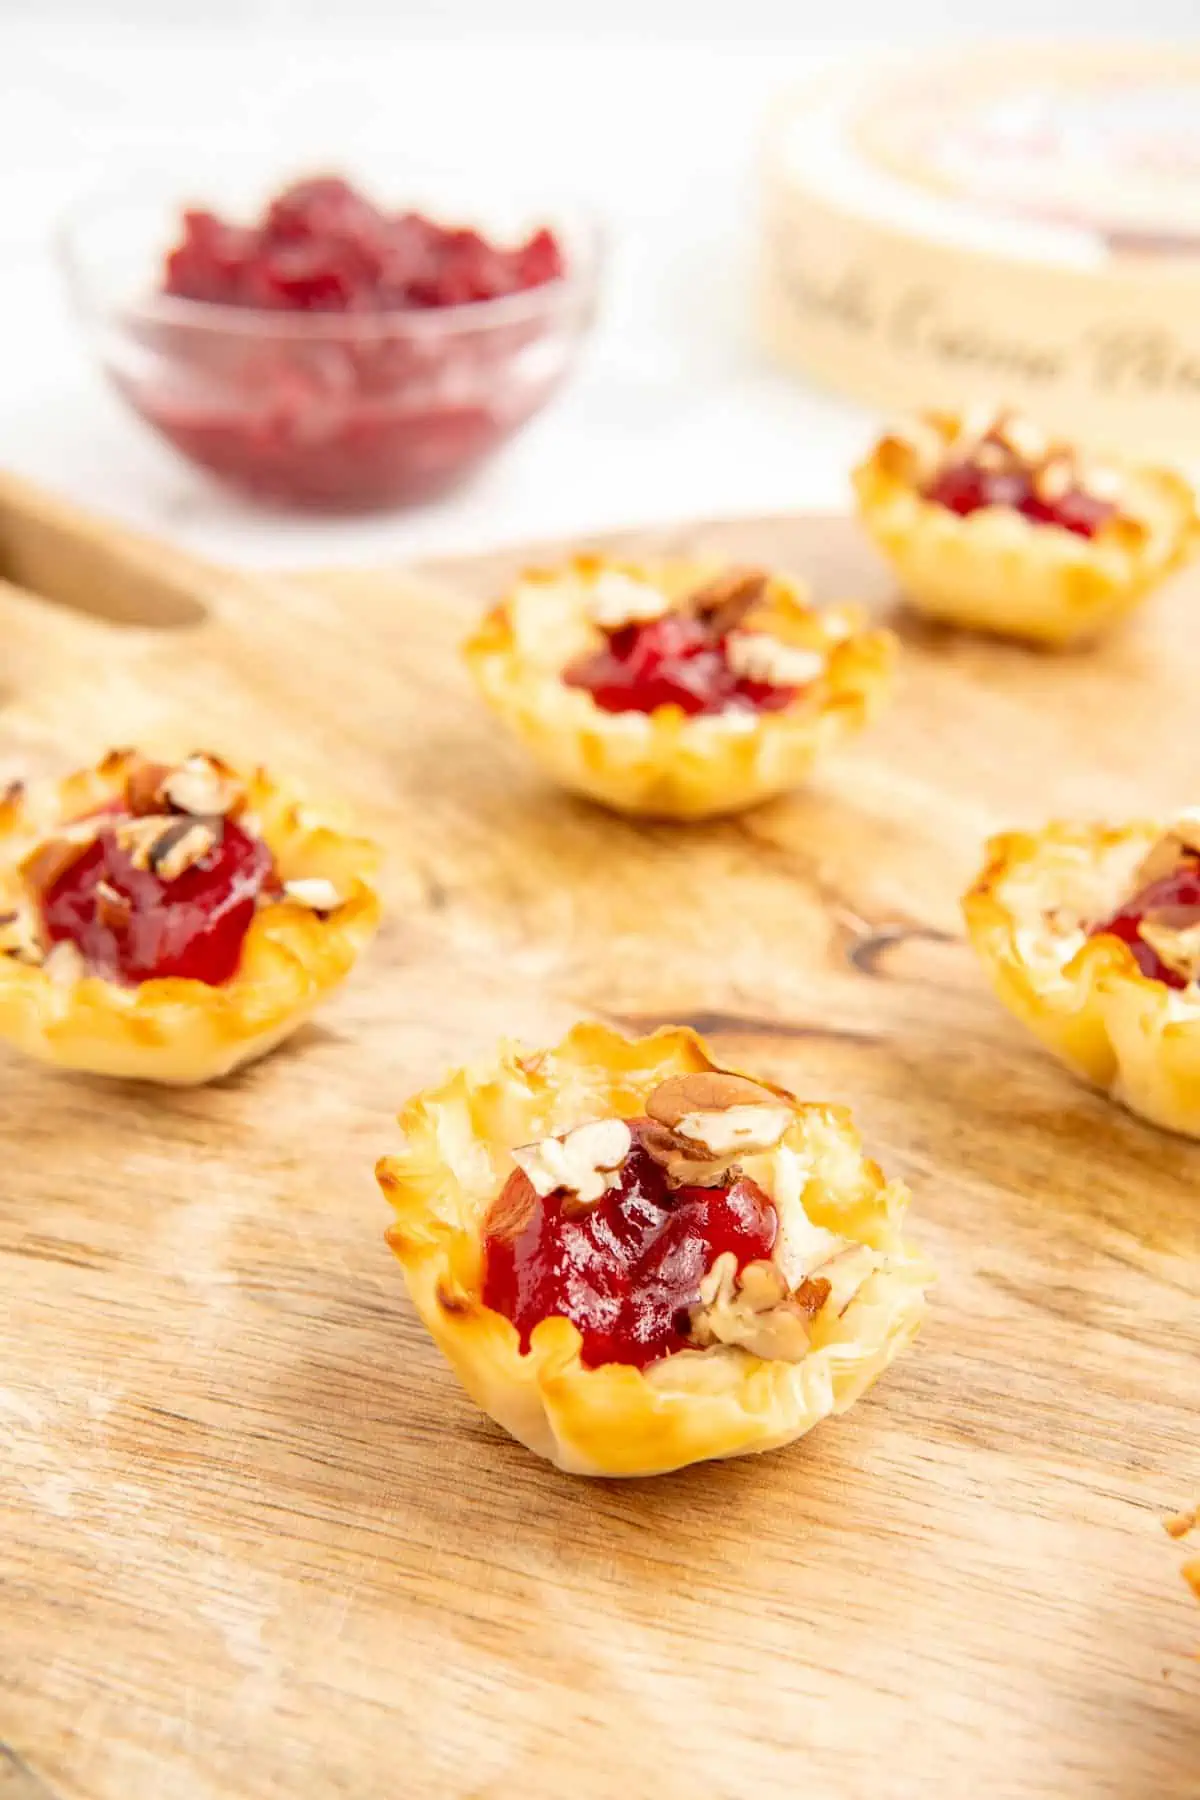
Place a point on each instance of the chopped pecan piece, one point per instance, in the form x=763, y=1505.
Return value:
x=204, y=787
x=1025, y=442
x=757, y=656
x=1054, y=478
x=165, y=843
x=144, y=788
x=706, y=1120
x=754, y=1310
x=314, y=892
x=113, y=909
x=616, y=600
x=185, y=844
x=725, y=601
x=581, y=1165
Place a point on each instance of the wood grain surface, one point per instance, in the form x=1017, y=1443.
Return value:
x=255, y=1542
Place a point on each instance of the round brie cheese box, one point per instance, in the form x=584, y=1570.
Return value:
x=1020, y=225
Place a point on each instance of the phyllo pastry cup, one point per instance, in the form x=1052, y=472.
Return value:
x=840, y=1295
x=997, y=568
x=667, y=762
x=310, y=920
x=1036, y=916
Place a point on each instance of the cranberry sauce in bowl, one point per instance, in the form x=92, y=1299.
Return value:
x=329, y=347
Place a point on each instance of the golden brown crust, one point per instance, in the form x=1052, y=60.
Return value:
x=666, y=764
x=997, y=571
x=617, y=1420
x=178, y=1031
x=1085, y=997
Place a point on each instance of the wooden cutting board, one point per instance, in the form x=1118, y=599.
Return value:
x=255, y=1542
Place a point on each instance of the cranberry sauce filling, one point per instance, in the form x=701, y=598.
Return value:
x=678, y=660
x=1175, y=898
x=321, y=246
x=965, y=487
x=130, y=925
x=626, y=1272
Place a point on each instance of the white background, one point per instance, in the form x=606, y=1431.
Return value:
x=651, y=110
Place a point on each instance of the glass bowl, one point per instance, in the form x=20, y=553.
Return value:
x=328, y=411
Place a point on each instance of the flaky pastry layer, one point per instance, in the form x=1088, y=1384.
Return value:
x=183, y=1032
x=666, y=764
x=997, y=571
x=1085, y=997
x=616, y=1420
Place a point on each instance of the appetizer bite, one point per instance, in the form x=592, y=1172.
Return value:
x=634, y=1259
x=676, y=689
x=1091, y=935
x=989, y=522
x=171, y=921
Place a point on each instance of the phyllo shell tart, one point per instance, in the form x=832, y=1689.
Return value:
x=1091, y=935
x=676, y=689
x=991, y=523
x=634, y=1259
x=171, y=921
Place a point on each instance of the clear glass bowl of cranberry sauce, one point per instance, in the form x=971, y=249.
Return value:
x=314, y=345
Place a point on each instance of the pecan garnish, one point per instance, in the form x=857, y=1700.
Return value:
x=701, y=1123
x=315, y=892
x=616, y=599
x=184, y=844
x=753, y=1309
x=1054, y=478
x=725, y=601
x=757, y=656
x=204, y=787
x=144, y=788
x=1024, y=441
x=998, y=441
x=581, y=1165
x=1006, y=440
x=165, y=844
x=113, y=909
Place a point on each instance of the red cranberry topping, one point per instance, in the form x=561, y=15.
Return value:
x=677, y=660
x=626, y=1272
x=376, y=404
x=1175, y=896
x=321, y=246
x=138, y=927
x=965, y=487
